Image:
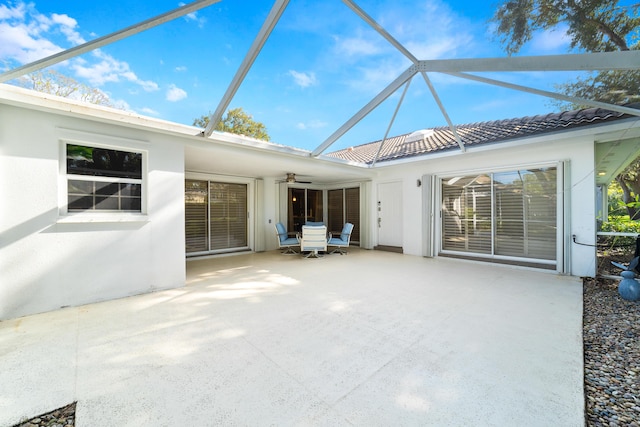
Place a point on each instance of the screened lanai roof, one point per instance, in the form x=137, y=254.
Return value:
x=421, y=72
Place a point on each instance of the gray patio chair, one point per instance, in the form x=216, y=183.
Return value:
x=313, y=240
x=286, y=243
x=341, y=242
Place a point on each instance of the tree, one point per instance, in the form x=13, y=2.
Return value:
x=55, y=83
x=594, y=26
x=238, y=122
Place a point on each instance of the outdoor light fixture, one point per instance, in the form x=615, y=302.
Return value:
x=602, y=173
x=291, y=178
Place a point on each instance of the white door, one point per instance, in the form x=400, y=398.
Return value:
x=390, y=214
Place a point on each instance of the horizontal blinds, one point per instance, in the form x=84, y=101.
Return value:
x=466, y=214
x=344, y=206
x=509, y=214
x=314, y=206
x=228, y=215
x=525, y=203
x=352, y=202
x=335, y=211
x=196, y=224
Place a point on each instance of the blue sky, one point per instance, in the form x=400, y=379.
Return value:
x=321, y=64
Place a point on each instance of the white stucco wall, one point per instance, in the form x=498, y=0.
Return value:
x=47, y=263
x=579, y=152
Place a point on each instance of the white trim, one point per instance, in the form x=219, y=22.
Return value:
x=562, y=260
x=252, y=214
x=564, y=218
x=102, y=217
x=107, y=141
x=429, y=206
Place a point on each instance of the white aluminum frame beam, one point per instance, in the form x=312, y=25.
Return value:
x=267, y=27
x=384, y=94
x=105, y=40
x=611, y=107
x=453, y=128
x=393, y=119
x=400, y=47
x=619, y=60
x=369, y=20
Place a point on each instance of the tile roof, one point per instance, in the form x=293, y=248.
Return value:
x=475, y=134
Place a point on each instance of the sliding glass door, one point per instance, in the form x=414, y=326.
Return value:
x=304, y=205
x=343, y=205
x=215, y=216
x=508, y=214
x=308, y=205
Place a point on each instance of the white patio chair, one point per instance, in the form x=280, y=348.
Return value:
x=313, y=240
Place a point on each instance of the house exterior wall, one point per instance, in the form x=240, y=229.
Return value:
x=49, y=260
x=578, y=152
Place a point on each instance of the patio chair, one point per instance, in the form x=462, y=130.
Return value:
x=341, y=242
x=284, y=241
x=314, y=239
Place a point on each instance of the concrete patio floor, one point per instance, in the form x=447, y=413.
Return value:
x=368, y=339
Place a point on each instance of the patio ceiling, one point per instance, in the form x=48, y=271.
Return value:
x=453, y=67
x=274, y=162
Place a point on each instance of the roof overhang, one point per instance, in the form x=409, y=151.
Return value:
x=221, y=153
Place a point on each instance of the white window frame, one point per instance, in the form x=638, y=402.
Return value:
x=94, y=140
x=252, y=214
x=560, y=262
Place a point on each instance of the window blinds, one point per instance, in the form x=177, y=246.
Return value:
x=510, y=214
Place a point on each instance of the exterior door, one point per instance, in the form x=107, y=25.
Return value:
x=389, y=208
x=215, y=217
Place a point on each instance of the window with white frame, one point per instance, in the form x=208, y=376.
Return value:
x=511, y=214
x=103, y=179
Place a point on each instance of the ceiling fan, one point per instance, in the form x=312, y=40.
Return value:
x=290, y=178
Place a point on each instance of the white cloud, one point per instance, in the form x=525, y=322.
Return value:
x=312, y=124
x=149, y=111
x=181, y=69
x=19, y=44
x=109, y=69
x=551, y=41
x=356, y=46
x=16, y=12
x=193, y=17
x=428, y=29
x=303, y=79
x=27, y=35
x=175, y=94
x=67, y=27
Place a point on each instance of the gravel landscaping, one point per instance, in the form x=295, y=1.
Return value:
x=611, y=328
x=61, y=417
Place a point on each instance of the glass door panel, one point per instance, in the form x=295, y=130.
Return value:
x=215, y=216
x=196, y=224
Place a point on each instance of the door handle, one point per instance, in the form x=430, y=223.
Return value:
x=379, y=222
